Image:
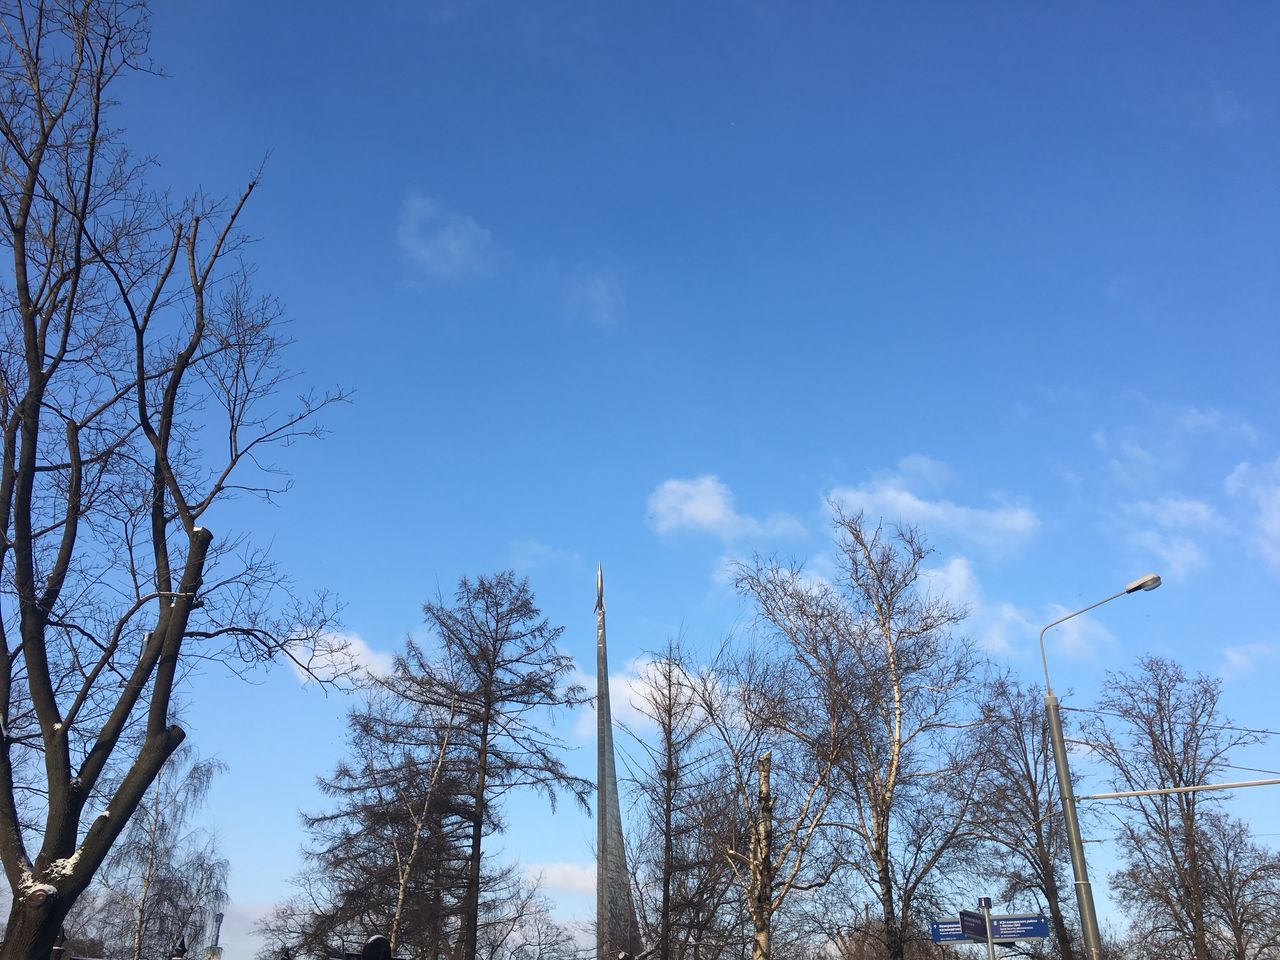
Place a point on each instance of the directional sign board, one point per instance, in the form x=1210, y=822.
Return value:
x=973, y=925
x=946, y=930
x=1004, y=929
x=1028, y=926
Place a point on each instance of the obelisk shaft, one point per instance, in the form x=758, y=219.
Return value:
x=616, y=927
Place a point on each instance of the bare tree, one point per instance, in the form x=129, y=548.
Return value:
x=500, y=671
x=683, y=883
x=885, y=669
x=1244, y=880
x=1157, y=728
x=389, y=857
x=138, y=380
x=164, y=880
x=780, y=781
x=1021, y=810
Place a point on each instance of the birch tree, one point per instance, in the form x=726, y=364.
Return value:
x=165, y=879
x=885, y=671
x=781, y=783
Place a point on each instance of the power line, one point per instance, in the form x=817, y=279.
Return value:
x=1208, y=726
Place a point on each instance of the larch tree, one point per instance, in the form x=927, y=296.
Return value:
x=389, y=855
x=139, y=388
x=496, y=665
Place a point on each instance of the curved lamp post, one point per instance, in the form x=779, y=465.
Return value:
x=1084, y=892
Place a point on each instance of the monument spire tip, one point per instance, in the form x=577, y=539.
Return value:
x=600, y=588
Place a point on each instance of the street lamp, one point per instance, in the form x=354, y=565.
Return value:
x=1084, y=892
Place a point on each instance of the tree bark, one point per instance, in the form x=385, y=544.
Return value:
x=471, y=912
x=762, y=866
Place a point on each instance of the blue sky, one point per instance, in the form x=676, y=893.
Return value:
x=645, y=284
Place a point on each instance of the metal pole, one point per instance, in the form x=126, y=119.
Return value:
x=985, y=904
x=1165, y=791
x=1084, y=892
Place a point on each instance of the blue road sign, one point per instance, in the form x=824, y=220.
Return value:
x=946, y=930
x=1029, y=926
x=973, y=925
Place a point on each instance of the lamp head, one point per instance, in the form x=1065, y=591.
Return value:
x=1149, y=582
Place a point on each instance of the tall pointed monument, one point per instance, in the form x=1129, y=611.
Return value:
x=616, y=927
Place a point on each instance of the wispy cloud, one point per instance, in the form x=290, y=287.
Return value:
x=1160, y=441
x=706, y=504
x=594, y=296
x=999, y=628
x=1178, y=513
x=563, y=877
x=1167, y=528
x=443, y=243
x=528, y=555
x=896, y=498
x=1079, y=637
x=1177, y=555
x=1258, y=486
x=1244, y=659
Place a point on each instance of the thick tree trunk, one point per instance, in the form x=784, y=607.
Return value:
x=32, y=930
x=762, y=866
x=1061, y=932
x=760, y=943
x=471, y=910
x=894, y=943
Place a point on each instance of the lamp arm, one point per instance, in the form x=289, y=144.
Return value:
x=1044, y=659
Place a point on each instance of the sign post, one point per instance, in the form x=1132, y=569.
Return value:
x=985, y=904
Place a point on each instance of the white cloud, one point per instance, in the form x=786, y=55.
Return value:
x=925, y=470
x=706, y=504
x=527, y=555
x=1168, y=540
x=956, y=582
x=594, y=296
x=1178, y=556
x=1244, y=659
x=1259, y=486
x=890, y=498
x=338, y=652
x=1079, y=637
x=1178, y=513
x=626, y=691
x=563, y=877
x=1215, y=423
x=444, y=244
x=1162, y=441
x=447, y=245
x=999, y=628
